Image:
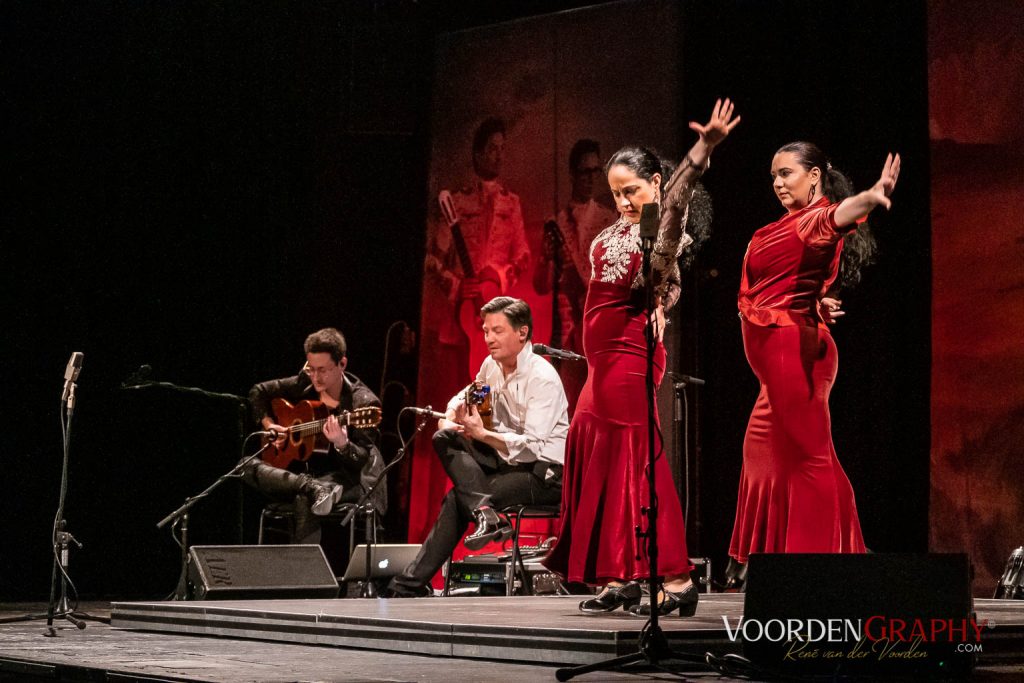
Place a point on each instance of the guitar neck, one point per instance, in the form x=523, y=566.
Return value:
x=556, y=313
x=317, y=426
x=462, y=251
x=557, y=261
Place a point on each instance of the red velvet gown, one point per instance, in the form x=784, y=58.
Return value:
x=604, y=483
x=794, y=495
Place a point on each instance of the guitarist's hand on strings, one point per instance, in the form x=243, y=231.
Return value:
x=335, y=433
x=472, y=423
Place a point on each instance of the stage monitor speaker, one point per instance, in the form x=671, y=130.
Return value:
x=859, y=614
x=235, y=572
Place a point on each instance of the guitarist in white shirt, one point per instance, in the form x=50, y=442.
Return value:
x=516, y=460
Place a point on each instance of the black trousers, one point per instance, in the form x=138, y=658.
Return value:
x=480, y=478
x=285, y=486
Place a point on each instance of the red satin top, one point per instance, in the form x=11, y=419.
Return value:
x=789, y=265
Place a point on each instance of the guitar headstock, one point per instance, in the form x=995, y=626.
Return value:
x=447, y=204
x=477, y=393
x=361, y=418
x=553, y=233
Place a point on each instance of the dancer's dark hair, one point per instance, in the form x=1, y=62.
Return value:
x=859, y=246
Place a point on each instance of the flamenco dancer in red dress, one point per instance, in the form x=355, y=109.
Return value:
x=605, y=485
x=794, y=496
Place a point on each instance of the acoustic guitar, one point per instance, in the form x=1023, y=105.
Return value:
x=554, y=236
x=305, y=423
x=479, y=394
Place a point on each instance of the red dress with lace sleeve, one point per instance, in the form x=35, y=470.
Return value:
x=604, y=485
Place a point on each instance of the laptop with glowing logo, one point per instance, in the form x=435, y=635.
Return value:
x=386, y=560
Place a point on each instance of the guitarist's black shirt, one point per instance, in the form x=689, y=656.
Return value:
x=361, y=461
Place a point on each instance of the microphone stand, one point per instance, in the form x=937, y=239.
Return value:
x=681, y=415
x=368, y=590
x=61, y=538
x=179, y=518
x=653, y=645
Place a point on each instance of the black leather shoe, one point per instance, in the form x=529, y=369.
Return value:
x=735, y=575
x=322, y=497
x=685, y=601
x=393, y=591
x=489, y=527
x=612, y=597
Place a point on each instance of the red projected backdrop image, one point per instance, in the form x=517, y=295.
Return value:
x=976, y=89
x=510, y=103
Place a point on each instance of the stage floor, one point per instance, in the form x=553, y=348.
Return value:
x=342, y=640
x=102, y=653
x=523, y=629
x=546, y=630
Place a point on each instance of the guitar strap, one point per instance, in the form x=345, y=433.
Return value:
x=487, y=194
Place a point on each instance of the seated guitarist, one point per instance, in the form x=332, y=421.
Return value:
x=518, y=459
x=344, y=461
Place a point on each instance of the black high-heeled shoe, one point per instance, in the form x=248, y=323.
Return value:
x=626, y=596
x=685, y=601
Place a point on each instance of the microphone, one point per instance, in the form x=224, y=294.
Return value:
x=650, y=220
x=428, y=412
x=545, y=350
x=71, y=374
x=686, y=379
